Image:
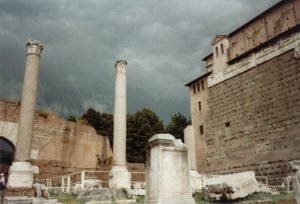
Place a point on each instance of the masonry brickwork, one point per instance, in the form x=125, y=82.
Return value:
x=58, y=146
x=250, y=116
x=254, y=119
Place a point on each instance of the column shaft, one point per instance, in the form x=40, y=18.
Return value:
x=27, y=111
x=119, y=145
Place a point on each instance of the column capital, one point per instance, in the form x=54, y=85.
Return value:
x=34, y=47
x=120, y=66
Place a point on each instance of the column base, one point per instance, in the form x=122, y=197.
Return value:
x=196, y=181
x=20, y=175
x=119, y=177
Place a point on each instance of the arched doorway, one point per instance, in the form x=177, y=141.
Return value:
x=7, y=150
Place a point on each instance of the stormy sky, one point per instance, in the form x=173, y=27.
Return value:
x=163, y=42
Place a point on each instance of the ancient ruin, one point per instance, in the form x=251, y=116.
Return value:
x=21, y=171
x=189, y=140
x=119, y=176
x=167, y=171
x=245, y=109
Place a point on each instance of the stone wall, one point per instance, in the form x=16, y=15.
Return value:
x=253, y=121
x=58, y=146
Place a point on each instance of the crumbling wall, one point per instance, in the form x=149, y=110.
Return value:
x=253, y=120
x=58, y=146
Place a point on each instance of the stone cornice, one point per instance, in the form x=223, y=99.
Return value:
x=34, y=47
x=291, y=42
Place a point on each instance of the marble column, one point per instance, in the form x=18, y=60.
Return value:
x=119, y=177
x=189, y=140
x=21, y=172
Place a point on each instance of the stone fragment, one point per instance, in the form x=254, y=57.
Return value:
x=229, y=187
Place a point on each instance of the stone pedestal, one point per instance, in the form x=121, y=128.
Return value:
x=167, y=171
x=20, y=175
x=196, y=181
x=119, y=177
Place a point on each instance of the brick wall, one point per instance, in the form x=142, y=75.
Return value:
x=58, y=146
x=253, y=121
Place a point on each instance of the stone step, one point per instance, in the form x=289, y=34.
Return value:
x=28, y=200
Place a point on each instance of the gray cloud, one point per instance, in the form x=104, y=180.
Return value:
x=163, y=42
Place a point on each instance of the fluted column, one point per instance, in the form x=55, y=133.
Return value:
x=119, y=146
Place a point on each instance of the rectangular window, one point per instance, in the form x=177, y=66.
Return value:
x=199, y=105
x=194, y=88
x=202, y=84
x=227, y=124
x=201, y=129
x=198, y=86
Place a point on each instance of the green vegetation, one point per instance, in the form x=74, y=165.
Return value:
x=67, y=198
x=274, y=198
x=281, y=198
x=141, y=126
x=177, y=125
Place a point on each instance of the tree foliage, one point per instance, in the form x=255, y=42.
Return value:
x=177, y=125
x=141, y=126
x=102, y=122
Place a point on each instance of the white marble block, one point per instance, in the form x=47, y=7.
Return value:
x=167, y=171
x=119, y=177
x=20, y=175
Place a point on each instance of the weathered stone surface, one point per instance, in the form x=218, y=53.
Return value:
x=60, y=137
x=119, y=177
x=167, y=171
x=296, y=178
x=229, y=187
x=263, y=128
x=20, y=175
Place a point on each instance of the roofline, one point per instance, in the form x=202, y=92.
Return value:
x=257, y=17
x=200, y=77
x=204, y=59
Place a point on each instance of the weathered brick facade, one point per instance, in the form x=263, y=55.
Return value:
x=58, y=146
x=250, y=118
x=261, y=109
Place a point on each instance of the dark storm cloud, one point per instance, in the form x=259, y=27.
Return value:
x=163, y=42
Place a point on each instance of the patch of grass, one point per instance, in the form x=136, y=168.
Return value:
x=274, y=198
x=198, y=197
x=140, y=199
x=283, y=196
x=67, y=198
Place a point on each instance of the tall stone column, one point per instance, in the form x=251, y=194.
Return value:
x=189, y=140
x=21, y=172
x=119, y=176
